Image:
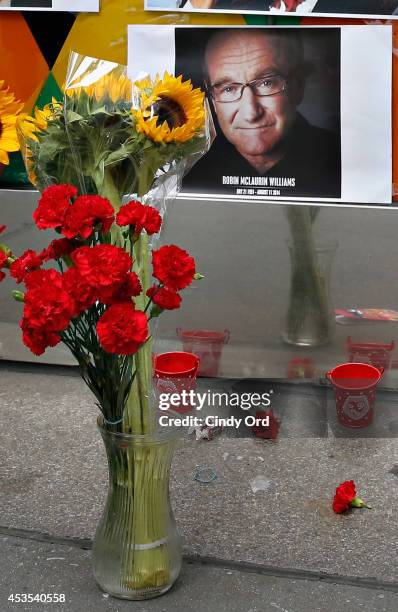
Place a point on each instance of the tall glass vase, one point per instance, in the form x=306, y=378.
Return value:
x=310, y=316
x=136, y=549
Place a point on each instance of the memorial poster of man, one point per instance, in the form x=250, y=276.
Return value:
x=299, y=113
x=381, y=9
x=78, y=6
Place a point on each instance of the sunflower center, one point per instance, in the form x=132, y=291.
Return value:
x=167, y=109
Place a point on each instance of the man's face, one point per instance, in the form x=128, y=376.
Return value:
x=255, y=125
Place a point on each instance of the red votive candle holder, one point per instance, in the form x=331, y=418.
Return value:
x=174, y=373
x=354, y=386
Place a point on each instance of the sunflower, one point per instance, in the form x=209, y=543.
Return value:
x=171, y=110
x=28, y=126
x=9, y=109
x=109, y=86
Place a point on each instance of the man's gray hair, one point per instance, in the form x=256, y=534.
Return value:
x=291, y=39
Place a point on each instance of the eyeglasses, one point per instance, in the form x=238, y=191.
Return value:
x=231, y=92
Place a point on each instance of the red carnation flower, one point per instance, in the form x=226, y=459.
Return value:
x=173, y=266
x=153, y=220
x=53, y=205
x=47, y=305
x=164, y=297
x=87, y=213
x=3, y=259
x=104, y=267
x=83, y=295
x=346, y=498
x=25, y=264
x=122, y=329
x=345, y=493
x=140, y=216
x=39, y=278
x=129, y=288
x=58, y=248
x=2, y=228
x=37, y=340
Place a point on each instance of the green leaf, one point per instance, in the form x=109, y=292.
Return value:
x=71, y=116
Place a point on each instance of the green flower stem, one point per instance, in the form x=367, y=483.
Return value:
x=109, y=190
x=140, y=417
x=146, y=177
x=308, y=284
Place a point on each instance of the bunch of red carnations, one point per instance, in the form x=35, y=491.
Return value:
x=101, y=297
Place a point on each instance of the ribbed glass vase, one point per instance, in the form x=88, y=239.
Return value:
x=136, y=549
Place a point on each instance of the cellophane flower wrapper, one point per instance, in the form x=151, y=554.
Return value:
x=93, y=138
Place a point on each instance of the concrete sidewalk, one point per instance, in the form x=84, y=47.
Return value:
x=281, y=548
x=32, y=566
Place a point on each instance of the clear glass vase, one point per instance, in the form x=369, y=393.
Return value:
x=136, y=549
x=310, y=317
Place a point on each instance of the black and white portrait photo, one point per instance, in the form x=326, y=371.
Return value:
x=281, y=101
x=277, y=115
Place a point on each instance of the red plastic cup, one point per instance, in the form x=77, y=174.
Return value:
x=207, y=344
x=354, y=386
x=174, y=373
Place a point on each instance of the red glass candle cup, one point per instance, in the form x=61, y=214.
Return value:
x=354, y=386
x=174, y=373
x=207, y=344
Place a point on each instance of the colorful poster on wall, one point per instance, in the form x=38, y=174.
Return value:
x=76, y=6
x=294, y=108
x=382, y=9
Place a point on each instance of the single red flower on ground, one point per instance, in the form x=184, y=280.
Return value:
x=87, y=213
x=58, y=248
x=164, y=297
x=26, y=263
x=173, y=266
x=140, y=216
x=104, y=267
x=122, y=329
x=53, y=205
x=346, y=498
x=345, y=493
